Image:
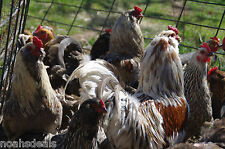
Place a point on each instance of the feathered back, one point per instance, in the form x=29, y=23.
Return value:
x=126, y=38
x=30, y=73
x=161, y=73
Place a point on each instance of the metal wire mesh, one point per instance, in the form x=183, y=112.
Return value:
x=85, y=15
x=177, y=21
x=12, y=23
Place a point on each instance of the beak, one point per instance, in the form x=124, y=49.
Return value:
x=141, y=15
x=178, y=38
x=42, y=52
x=104, y=110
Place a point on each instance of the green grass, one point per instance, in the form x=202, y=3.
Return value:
x=197, y=13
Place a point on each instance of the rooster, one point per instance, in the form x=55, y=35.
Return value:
x=101, y=46
x=83, y=128
x=33, y=105
x=196, y=88
x=44, y=33
x=155, y=116
x=127, y=46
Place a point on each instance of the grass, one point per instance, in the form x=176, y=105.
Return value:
x=198, y=13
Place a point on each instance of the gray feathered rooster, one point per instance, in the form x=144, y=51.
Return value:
x=155, y=116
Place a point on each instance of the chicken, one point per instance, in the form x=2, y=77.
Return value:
x=155, y=116
x=33, y=105
x=185, y=58
x=216, y=78
x=63, y=53
x=101, y=46
x=24, y=38
x=214, y=132
x=63, y=56
x=196, y=88
x=83, y=128
x=127, y=46
x=44, y=33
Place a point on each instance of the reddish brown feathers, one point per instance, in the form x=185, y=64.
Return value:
x=173, y=117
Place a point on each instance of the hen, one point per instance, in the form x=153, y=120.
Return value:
x=83, y=128
x=33, y=105
x=196, y=88
x=44, y=33
x=127, y=46
x=155, y=117
x=63, y=55
x=216, y=79
x=101, y=46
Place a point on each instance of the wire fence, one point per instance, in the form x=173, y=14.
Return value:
x=12, y=23
x=177, y=21
x=83, y=14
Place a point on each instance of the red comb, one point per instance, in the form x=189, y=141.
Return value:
x=205, y=45
x=37, y=42
x=102, y=103
x=137, y=9
x=216, y=39
x=173, y=29
x=211, y=71
x=38, y=28
x=108, y=30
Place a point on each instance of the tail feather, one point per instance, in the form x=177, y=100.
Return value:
x=91, y=75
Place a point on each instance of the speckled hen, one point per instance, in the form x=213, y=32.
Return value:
x=33, y=106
